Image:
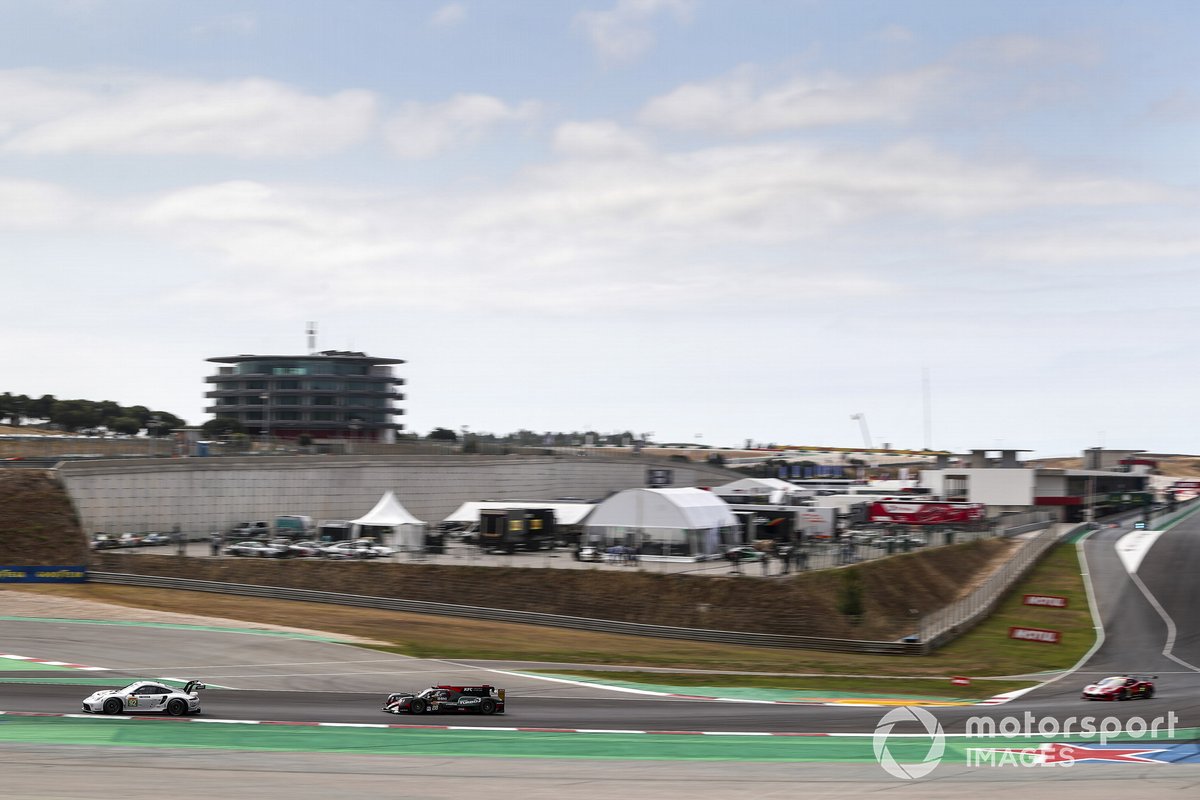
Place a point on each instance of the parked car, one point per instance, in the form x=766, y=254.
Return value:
x=102, y=541
x=589, y=553
x=355, y=549
x=302, y=549
x=744, y=553
x=156, y=538
x=250, y=530
x=258, y=549
x=130, y=540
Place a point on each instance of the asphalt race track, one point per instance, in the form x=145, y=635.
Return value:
x=284, y=679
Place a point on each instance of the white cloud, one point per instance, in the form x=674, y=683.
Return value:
x=420, y=130
x=623, y=232
x=599, y=139
x=449, y=15
x=1133, y=246
x=737, y=105
x=26, y=205
x=47, y=112
x=622, y=33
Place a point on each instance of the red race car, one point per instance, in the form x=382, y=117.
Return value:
x=1121, y=687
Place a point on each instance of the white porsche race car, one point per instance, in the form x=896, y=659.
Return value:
x=146, y=697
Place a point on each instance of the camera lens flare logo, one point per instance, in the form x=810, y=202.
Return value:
x=933, y=730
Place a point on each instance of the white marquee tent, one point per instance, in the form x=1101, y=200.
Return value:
x=408, y=532
x=775, y=490
x=663, y=523
x=564, y=513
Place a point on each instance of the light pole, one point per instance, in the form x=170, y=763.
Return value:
x=154, y=424
x=355, y=425
x=266, y=431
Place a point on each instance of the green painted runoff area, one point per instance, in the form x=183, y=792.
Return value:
x=483, y=743
x=17, y=665
x=749, y=693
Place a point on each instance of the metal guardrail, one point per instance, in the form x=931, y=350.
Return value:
x=504, y=615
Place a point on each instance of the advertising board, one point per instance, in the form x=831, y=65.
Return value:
x=911, y=513
x=1035, y=635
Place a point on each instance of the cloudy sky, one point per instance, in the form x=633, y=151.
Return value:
x=974, y=223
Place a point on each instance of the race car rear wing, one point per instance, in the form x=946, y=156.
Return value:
x=193, y=686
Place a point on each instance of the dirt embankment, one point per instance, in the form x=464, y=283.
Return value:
x=39, y=527
x=38, y=524
x=893, y=591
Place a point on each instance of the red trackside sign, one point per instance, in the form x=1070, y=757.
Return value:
x=1035, y=635
x=1048, y=600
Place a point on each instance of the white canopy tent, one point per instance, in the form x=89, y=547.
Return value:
x=408, y=532
x=664, y=523
x=564, y=513
x=776, y=490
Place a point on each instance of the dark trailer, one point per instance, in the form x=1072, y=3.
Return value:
x=512, y=529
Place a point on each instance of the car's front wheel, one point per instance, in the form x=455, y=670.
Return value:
x=177, y=708
x=112, y=706
x=1123, y=695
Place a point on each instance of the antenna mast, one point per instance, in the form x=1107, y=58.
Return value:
x=311, y=330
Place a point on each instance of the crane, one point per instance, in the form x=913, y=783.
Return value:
x=862, y=423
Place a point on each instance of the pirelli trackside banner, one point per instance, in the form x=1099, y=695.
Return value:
x=77, y=574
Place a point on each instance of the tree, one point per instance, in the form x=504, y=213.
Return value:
x=850, y=596
x=126, y=425
x=443, y=435
x=74, y=414
x=218, y=427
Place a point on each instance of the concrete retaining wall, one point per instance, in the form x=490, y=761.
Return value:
x=203, y=495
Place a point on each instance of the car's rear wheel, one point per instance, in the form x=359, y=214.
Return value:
x=112, y=706
x=1149, y=692
x=417, y=706
x=177, y=708
x=488, y=706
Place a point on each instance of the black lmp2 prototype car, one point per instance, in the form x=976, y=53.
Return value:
x=1120, y=687
x=444, y=699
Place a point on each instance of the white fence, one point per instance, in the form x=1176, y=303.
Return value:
x=947, y=624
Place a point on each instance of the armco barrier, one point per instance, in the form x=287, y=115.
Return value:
x=525, y=617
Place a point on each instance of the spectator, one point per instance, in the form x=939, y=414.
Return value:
x=215, y=543
x=801, y=559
